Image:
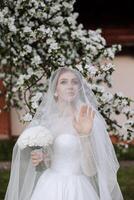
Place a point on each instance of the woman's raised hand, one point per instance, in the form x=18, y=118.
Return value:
x=84, y=122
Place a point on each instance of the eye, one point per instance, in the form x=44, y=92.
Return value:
x=63, y=82
x=75, y=82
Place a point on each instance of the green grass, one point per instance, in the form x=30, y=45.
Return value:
x=125, y=179
x=126, y=182
x=4, y=176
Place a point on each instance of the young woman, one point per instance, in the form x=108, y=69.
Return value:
x=81, y=163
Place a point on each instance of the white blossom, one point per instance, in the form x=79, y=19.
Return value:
x=53, y=46
x=45, y=30
x=36, y=97
x=79, y=67
x=4, y=61
x=92, y=49
x=55, y=8
x=14, y=89
x=21, y=79
x=131, y=112
x=119, y=47
x=35, y=100
x=57, y=19
x=34, y=105
x=108, y=66
x=98, y=88
x=2, y=75
x=79, y=33
x=100, y=46
x=30, y=71
x=36, y=60
x=128, y=125
x=50, y=41
x=67, y=5
x=27, y=48
x=92, y=70
x=27, y=29
x=27, y=117
x=109, y=52
x=124, y=102
x=126, y=109
x=116, y=102
x=36, y=3
x=31, y=24
x=32, y=11
x=11, y=25
x=1, y=17
x=106, y=97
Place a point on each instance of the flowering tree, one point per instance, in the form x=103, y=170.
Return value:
x=39, y=36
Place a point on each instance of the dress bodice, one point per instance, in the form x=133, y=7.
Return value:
x=66, y=156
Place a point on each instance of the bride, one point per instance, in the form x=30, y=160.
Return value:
x=81, y=163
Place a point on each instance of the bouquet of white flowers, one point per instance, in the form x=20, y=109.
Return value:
x=37, y=138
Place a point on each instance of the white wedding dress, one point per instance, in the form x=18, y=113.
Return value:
x=64, y=180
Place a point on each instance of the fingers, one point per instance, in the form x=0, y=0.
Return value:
x=91, y=115
x=83, y=110
x=86, y=111
x=89, y=110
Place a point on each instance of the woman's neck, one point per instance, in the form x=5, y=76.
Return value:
x=66, y=108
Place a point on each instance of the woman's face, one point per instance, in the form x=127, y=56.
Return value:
x=67, y=86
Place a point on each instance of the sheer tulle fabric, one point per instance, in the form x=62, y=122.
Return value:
x=98, y=159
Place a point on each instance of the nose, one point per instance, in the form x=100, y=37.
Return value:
x=70, y=86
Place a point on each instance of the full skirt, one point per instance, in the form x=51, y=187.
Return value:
x=53, y=185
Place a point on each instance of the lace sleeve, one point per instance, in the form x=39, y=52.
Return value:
x=87, y=158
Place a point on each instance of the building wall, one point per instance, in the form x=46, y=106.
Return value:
x=16, y=126
x=123, y=77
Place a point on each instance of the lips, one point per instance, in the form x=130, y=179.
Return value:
x=70, y=93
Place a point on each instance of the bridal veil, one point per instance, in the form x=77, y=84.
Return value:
x=98, y=158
